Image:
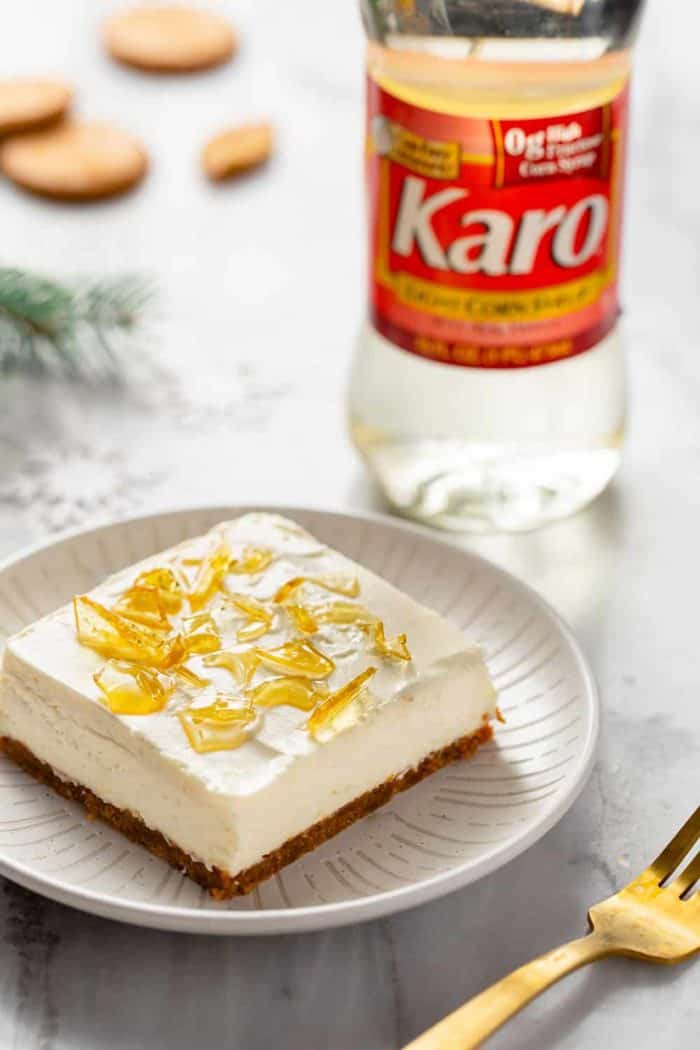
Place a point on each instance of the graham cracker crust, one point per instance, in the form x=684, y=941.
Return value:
x=221, y=884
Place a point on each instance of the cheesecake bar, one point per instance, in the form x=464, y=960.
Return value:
x=236, y=700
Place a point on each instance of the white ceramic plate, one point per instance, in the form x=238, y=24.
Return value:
x=453, y=828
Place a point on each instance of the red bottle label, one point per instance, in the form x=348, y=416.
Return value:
x=494, y=243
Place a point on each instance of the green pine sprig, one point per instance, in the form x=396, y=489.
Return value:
x=83, y=330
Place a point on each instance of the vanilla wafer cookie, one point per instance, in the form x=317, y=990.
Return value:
x=27, y=103
x=75, y=161
x=237, y=150
x=169, y=39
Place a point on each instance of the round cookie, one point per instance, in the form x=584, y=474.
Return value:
x=237, y=150
x=75, y=161
x=28, y=103
x=169, y=39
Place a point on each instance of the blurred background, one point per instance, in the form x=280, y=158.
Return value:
x=261, y=286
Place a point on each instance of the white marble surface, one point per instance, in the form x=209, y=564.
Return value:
x=262, y=290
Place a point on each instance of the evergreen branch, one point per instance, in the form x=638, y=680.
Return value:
x=81, y=330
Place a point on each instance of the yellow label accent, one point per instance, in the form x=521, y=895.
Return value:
x=538, y=304
x=500, y=155
x=484, y=159
x=438, y=160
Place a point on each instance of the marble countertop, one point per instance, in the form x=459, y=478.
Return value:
x=261, y=286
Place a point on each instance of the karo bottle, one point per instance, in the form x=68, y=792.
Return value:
x=488, y=387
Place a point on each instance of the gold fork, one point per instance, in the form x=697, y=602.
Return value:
x=645, y=920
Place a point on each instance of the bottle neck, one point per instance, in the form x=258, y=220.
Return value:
x=499, y=78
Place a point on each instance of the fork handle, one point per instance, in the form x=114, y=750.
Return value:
x=468, y=1026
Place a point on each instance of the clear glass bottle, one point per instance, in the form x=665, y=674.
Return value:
x=488, y=388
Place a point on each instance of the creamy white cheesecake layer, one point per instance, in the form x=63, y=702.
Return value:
x=230, y=808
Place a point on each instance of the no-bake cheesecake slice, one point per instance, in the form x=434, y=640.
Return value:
x=234, y=701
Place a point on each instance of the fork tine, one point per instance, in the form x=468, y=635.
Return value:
x=686, y=878
x=678, y=847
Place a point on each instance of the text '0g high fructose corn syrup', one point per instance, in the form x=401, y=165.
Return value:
x=488, y=389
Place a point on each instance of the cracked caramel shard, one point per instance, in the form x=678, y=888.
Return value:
x=201, y=634
x=394, y=650
x=242, y=665
x=253, y=561
x=289, y=691
x=111, y=634
x=211, y=571
x=298, y=657
x=259, y=618
x=241, y=697
x=327, y=711
x=220, y=726
x=132, y=690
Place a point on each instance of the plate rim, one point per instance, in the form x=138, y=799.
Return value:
x=319, y=916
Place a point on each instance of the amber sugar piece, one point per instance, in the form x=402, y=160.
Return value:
x=348, y=586
x=297, y=658
x=252, y=631
x=221, y=726
x=144, y=605
x=209, y=576
x=338, y=701
x=392, y=650
x=241, y=665
x=201, y=635
x=114, y=636
x=342, y=613
x=302, y=618
x=259, y=618
x=188, y=676
x=289, y=588
x=307, y=618
x=166, y=583
x=132, y=690
x=290, y=691
x=253, y=561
